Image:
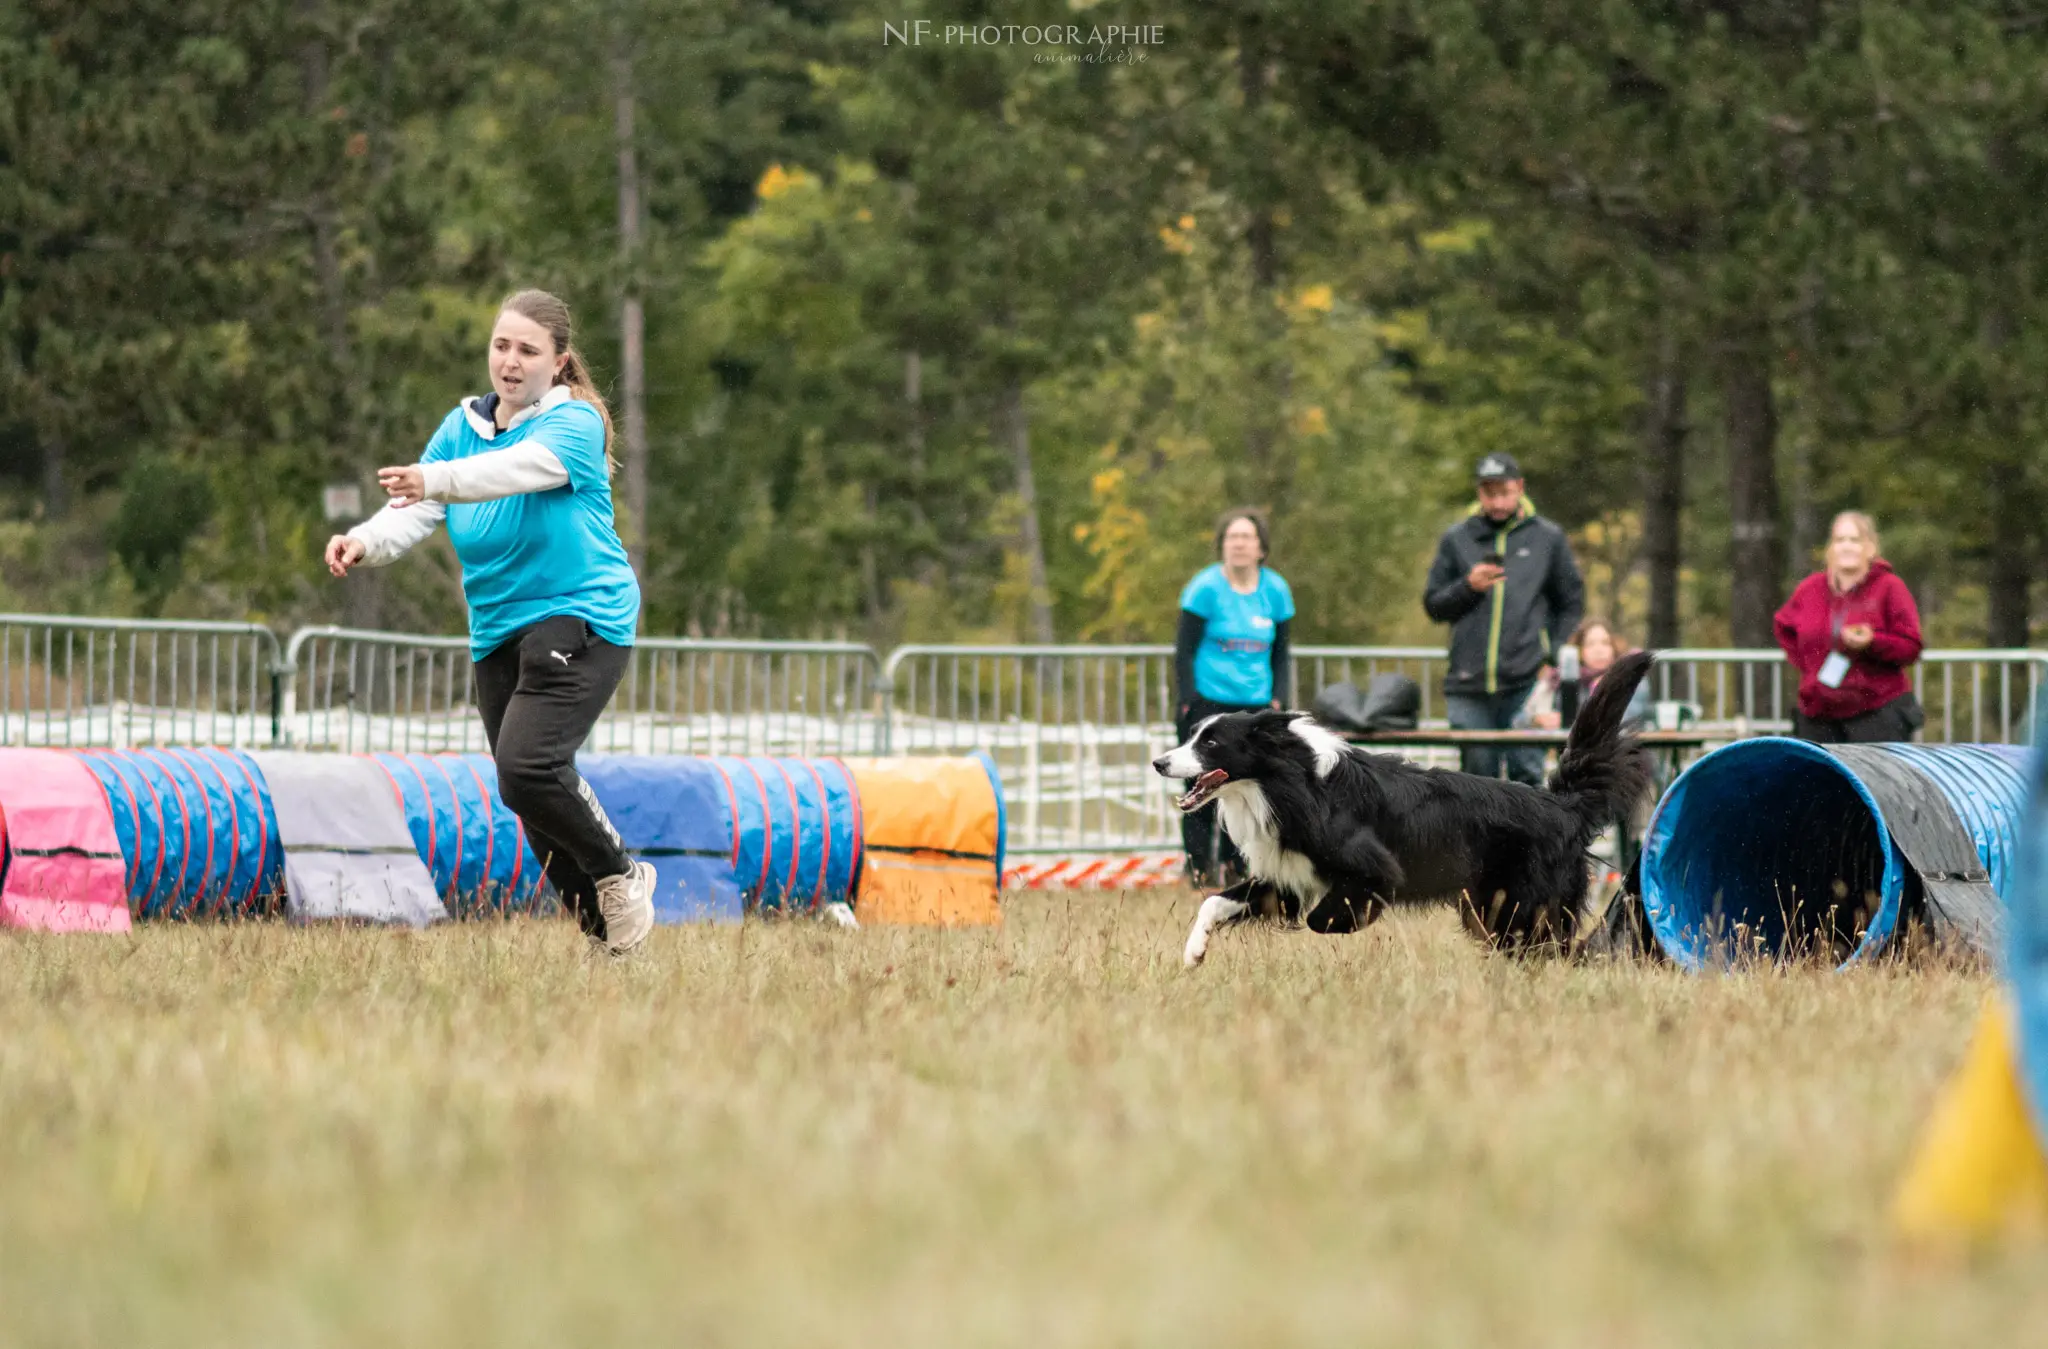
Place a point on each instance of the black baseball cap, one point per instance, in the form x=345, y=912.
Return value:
x=1499, y=464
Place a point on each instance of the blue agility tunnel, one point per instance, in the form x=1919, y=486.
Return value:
x=675, y=814
x=797, y=831
x=726, y=835
x=472, y=843
x=1777, y=847
x=198, y=835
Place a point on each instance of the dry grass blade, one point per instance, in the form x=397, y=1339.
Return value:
x=1045, y=1136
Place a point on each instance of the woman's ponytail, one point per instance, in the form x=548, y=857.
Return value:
x=550, y=313
x=576, y=377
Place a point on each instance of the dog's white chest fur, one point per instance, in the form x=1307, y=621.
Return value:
x=1248, y=818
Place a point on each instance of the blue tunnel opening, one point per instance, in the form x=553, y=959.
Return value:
x=1770, y=848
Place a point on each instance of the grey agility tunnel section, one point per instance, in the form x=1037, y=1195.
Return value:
x=349, y=854
x=1783, y=848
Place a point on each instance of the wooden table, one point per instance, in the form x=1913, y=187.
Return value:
x=1673, y=743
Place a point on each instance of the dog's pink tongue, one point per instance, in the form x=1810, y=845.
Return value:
x=1210, y=780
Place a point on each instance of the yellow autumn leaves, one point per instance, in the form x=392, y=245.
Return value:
x=778, y=180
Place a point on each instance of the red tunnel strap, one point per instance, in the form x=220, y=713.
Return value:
x=455, y=799
x=733, y=798
x=767, y=826
x=490, y=824
x=156, y=873
x=796, y=830
x=115, y=767
x=184, y=816
x=227, y=890
x=860, y=828
x=262, y=826
x=433, y=837
x=825, y=806
x=206, y=803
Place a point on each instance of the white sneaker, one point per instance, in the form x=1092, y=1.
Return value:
x=627, y=903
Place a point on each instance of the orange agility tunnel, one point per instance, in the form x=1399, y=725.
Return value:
x=933, y=831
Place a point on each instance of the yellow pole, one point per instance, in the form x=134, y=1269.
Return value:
x=1979, y=1170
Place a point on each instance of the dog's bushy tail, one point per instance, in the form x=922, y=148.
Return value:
x=1601, y=772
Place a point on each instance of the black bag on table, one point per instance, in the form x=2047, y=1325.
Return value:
x=1391, y=702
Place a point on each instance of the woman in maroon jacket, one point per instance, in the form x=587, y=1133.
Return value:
x=1852, y=630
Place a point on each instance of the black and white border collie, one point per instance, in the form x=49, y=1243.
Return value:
x=1336, y=832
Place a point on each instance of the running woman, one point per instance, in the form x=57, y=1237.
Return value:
x=522, y=476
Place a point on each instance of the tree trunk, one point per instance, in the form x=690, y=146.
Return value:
x=870, y=569
x=56, y=485
x=1664, y=490
x=1252, y=80
x=913, y=440
x=1805, y=534
x=2010, y=575
x=1753, y=554
x=333, y=294
x=320, y=213
x=913, y=398
x=1802, y=539
x=2013, y=556
x=1261, y=243
x=1015, y=431
x=632, y=321
x=362, y=594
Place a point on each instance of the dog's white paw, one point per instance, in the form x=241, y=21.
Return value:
x=1215, y=910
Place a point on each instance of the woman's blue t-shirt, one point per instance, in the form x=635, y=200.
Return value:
x=1234, y=663
x=539, y=554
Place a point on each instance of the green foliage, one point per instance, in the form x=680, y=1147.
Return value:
x=164, y=503
x=1316, y=263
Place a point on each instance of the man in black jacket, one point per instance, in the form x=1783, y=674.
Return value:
x=1505, y=581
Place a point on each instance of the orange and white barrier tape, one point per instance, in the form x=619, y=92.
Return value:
x=1094, y=872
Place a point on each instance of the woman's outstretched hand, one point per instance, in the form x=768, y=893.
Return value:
x=343, y=552
x=406, y=485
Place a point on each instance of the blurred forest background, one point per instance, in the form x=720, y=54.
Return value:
x=950, y=341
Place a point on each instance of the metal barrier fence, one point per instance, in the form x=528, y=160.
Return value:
x=353, y=690
x=116, y=682
x=1970, y=697
x=1073, y=729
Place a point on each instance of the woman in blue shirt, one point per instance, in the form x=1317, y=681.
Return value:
x=522, y=476
x=1230, y=655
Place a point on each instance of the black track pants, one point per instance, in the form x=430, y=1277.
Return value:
x=540, y=692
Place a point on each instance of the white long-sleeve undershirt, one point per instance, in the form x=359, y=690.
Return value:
x=387, y=535
x=517, y=469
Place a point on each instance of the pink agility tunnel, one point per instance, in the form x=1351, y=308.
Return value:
x=61, y=867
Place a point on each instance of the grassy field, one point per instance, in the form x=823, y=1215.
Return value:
x=1047, y=1136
